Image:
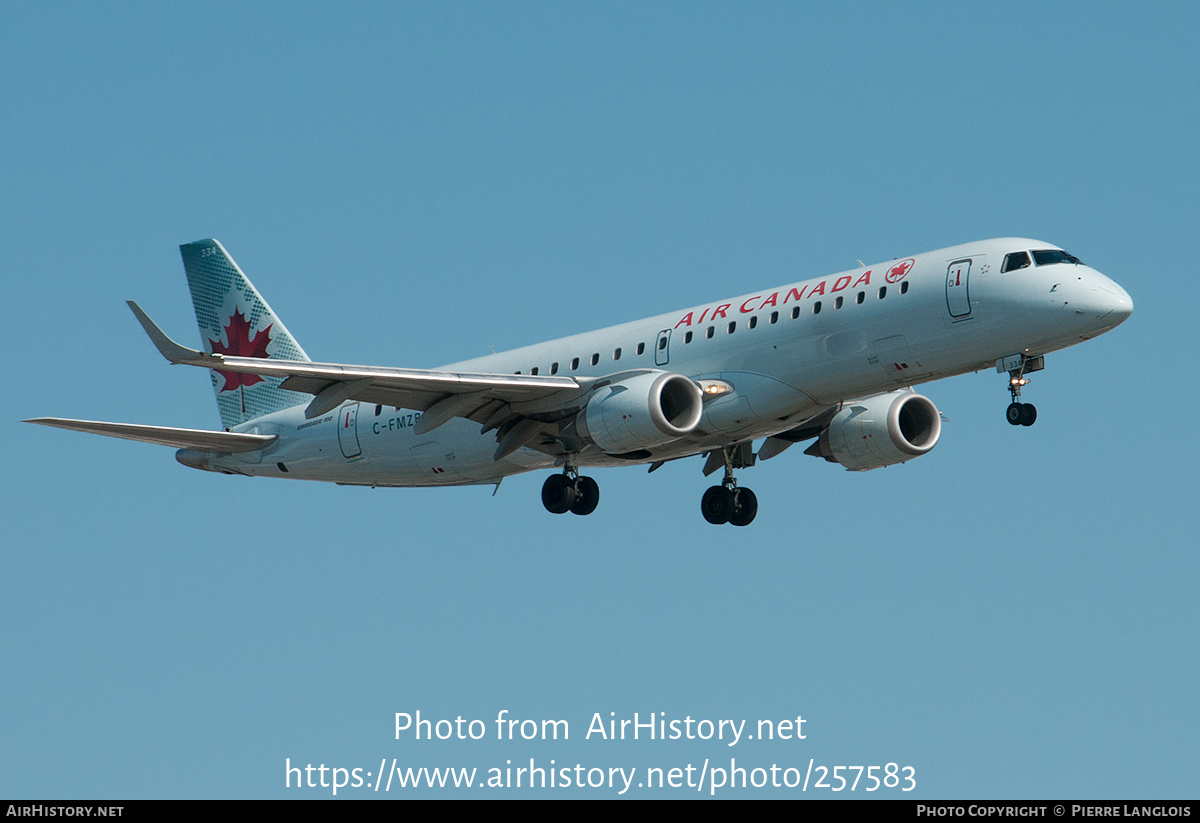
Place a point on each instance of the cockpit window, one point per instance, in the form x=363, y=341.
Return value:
x=1014, y=261
x=1051, y=256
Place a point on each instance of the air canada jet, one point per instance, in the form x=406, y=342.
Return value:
x=831, y=360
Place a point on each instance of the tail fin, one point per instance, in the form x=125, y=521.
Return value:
x=234, y=319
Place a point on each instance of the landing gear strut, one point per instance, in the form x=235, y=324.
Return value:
x=570, y=492
x=1018, y=413
x=727, y=503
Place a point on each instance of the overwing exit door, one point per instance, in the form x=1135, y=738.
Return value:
x=662, y=348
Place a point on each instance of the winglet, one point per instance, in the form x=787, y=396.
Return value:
x=167, y=347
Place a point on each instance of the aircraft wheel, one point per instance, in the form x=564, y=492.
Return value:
x=745, y=506
x=1028, y=414
x=587, y=496
x=717, y=505
x=558, y=494
x=1014, y=414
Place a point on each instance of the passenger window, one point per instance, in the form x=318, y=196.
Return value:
x=378, y=409
x=687, y=338
x=862, y=295
x=709, y=333
x=837, y=304
x=641, y=348
x=754, y=321
x=796, y=311
x=616, y=354
x=816, y=308
x=732, y=326
x=774, y=317
x=554, y=368
x=1015, y=260
x=534, y=370
x=595, y=358
x=904, y=287
x=574, y=363
x=662, y=343
x=883, y=290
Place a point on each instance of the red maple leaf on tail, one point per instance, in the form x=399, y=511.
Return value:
x=241, y=345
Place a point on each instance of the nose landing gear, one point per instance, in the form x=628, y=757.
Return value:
x=1021, y=414
x=1017, y=366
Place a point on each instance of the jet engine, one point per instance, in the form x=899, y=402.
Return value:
x=881, y=430
x=641, y=412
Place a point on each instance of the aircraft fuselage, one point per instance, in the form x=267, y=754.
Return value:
x=780, y=355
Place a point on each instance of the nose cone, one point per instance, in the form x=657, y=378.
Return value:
x=1097, y=302
x=1111, y=303
x=1122, y=304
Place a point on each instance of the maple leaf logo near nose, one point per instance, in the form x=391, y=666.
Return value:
x=242, y=345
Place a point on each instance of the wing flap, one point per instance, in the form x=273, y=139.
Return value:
x=194, y=439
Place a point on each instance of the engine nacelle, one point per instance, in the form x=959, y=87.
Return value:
x=880, y=431
x=642, y=412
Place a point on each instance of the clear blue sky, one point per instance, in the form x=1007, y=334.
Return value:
x=1013, y=615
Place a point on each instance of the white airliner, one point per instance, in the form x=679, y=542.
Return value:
x=833, y=358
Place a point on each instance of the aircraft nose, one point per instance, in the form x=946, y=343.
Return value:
x=1111, y=302
x=1096, y=301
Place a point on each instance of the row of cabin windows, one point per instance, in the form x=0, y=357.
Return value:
x=595, y=359
x=711, y=331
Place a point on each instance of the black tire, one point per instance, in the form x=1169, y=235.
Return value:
x=716, y=505
x=745, y=506
x=558, y=494
x=1028, y=414
x=587, y=496
x=1013, y=414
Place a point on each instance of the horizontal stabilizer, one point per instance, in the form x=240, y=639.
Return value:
x=194, y=439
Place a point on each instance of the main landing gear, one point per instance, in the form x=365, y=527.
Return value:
x=727, y=503
x=570, y=492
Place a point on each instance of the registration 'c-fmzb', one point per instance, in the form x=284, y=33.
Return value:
x=831, y=360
